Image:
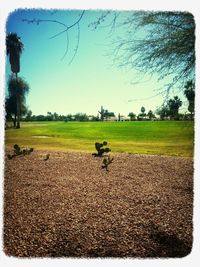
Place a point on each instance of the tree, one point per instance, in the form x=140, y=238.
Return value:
x=17, y=88
x=108, y=114
x=14, y=48
x=141, y=115
x=132, y=116
x=81, y=117
x=161, y=43
x=143, y=112
x=105, y=114
x=55, y=116
x=94, y=118
x=11, y=109
x=190, y=95
x=174, y=105
x=49, y=116
x=28, y=115
x=69, y=117
x=163, y=112
x=150, y=114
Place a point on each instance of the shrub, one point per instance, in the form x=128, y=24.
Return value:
x=100, y=149
x=18, y=151
x=106, y=162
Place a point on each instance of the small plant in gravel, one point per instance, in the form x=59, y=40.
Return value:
x=100, y=149
x=106, y=162
x=19, y=151
x=46, y=157
x=10, y=156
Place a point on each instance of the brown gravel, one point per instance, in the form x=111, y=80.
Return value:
x=68, y=206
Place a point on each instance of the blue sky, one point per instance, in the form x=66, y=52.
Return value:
x=91, y=80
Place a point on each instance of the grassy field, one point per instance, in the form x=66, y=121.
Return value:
x=174, y=138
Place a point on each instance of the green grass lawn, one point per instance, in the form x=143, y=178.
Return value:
x=175, y=138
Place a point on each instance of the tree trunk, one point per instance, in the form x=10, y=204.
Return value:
x=14, y=121
x=18, y=108
x=191, y=116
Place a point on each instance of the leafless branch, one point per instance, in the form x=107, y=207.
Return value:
x=67, y=47
x=145, y=98
x=77, y=45
x=66, y=30
x=38, y=21
x=69, y=27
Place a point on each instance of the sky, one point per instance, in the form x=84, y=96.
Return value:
x=86, y=83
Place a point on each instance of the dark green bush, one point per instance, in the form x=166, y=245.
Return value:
x=18, y=151
x=106, y=162
x=100, y=149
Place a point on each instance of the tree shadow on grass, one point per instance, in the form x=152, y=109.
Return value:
x=169, y=245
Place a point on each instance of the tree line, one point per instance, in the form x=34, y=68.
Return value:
x=18, y=88
x=54, y=116
x=169, y=111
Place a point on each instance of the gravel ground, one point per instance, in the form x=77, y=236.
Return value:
x=68, y=206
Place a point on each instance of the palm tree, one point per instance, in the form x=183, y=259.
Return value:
x=143, y=112
x=190, y=95
x=14, y=48
x=17, y=89
x=174, y=105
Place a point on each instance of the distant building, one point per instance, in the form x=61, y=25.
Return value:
x=112, y=118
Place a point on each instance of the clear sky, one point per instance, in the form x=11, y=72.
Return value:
x=91, y=80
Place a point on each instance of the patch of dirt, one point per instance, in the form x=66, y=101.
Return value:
x=68, y=206
x=41, y=136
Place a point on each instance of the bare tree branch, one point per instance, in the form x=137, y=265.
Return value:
x=77, y=45
x=69, y=27
x=67, y=47
x=66, y=30
x=160, y=43
x=38, y=21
